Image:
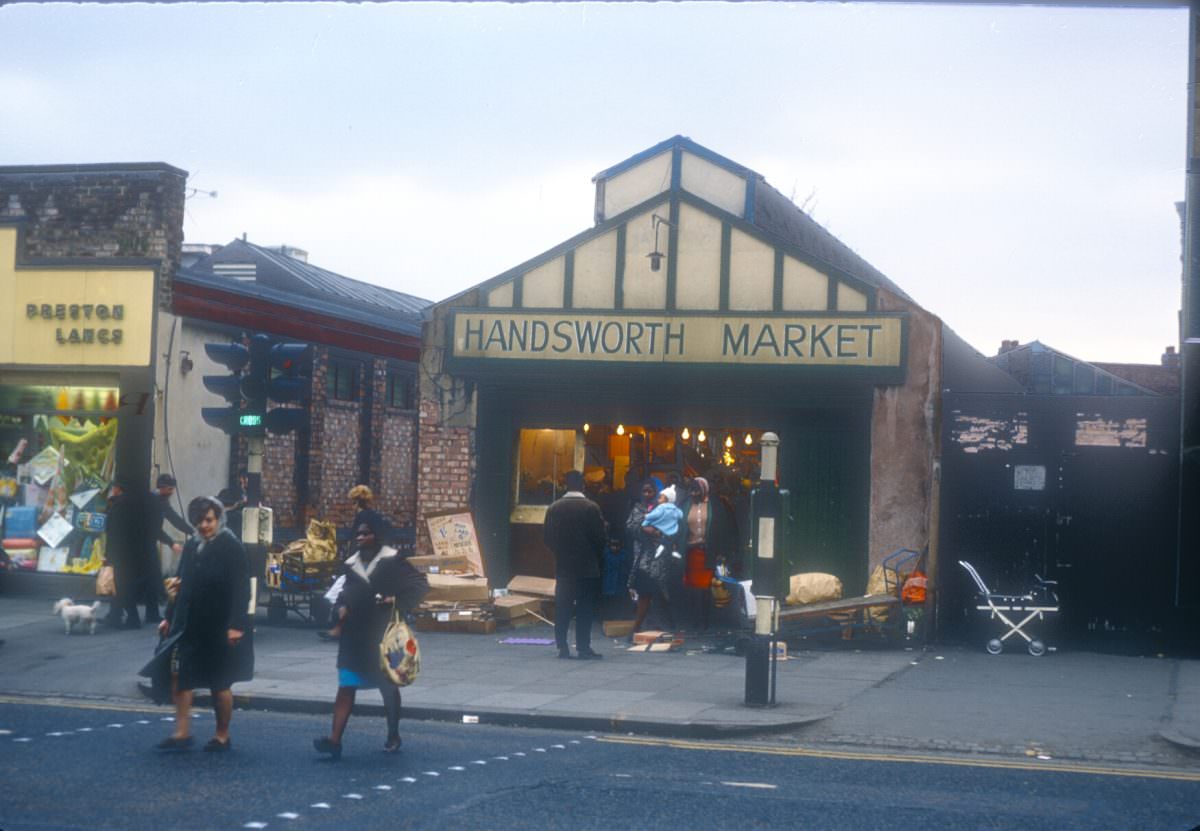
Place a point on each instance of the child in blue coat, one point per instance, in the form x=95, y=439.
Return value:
x=665, y=518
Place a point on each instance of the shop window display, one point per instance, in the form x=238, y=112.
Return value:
x=612, y=455
x=57, y=458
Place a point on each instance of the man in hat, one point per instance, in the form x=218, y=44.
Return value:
x=161, y=511
x=574, y=531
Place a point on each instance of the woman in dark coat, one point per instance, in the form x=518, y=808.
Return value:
x=378, y=579
x=711, y=541
x=210, y=617
x=649, y=576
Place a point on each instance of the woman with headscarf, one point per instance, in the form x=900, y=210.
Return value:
x=711, y=538
x=378, y=581
x=650, y=575
x=209, y=616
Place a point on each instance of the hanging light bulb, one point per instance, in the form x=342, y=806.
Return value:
x=749, y=440
x=701, y=437
x=685, y=435
x=729, y=441
x=620, y=429
x=586, y=427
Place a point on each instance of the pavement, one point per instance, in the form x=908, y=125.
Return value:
x=1075, y=704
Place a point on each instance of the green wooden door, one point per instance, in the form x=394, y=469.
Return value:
x=825, y=463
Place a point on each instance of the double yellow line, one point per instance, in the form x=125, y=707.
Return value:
x=905, y=758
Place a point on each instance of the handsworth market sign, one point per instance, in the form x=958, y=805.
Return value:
x=840, y=339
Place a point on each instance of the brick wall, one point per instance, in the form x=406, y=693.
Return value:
x=397, y=482
x=339, y=468
x=279, y=479
x=99, y=211
x=445, y=468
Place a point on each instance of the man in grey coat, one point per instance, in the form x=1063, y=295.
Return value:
x=574, y=531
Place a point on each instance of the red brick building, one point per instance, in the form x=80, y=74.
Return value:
x=362, y=414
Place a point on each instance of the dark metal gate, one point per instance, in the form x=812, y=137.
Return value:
x=1081, y=489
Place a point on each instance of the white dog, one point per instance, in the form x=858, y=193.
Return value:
x=73, y=613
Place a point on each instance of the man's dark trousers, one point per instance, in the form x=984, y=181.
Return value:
x=575, y=597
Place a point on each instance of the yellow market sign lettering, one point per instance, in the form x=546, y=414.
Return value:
x=869, y=340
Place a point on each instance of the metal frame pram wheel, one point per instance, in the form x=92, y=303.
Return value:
x=1034, y=605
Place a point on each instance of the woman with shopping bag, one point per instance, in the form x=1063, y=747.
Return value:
x=380, y=587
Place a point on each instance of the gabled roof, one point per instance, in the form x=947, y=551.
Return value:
x=768, y=215
x=780, y=217
x=279, y=271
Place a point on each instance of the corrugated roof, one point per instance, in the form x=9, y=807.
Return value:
x=277, y=270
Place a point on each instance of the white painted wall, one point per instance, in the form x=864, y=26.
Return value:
x=713, y=184
x=634, y=186
x=200, y=453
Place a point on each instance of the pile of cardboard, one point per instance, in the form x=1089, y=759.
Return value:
x=526, y=600
x=461, y=600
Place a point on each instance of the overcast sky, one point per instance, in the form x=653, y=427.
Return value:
x=1015, y=170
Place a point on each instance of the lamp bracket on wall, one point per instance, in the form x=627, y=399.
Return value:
x=656, y=256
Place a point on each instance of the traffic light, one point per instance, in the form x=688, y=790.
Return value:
x=234, y=357
x=288, y=385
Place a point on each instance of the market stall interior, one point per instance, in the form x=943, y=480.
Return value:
x=57, y=458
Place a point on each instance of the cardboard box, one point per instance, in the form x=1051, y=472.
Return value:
x=440, y=563
x=665, y=640
x=618, y=628
x=537, y=586
x=516, y=605
x=461, y=626
x=661, y=646
x=457, y=587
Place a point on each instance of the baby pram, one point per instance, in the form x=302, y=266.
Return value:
x=1034, y=605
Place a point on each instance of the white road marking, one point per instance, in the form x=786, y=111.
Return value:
x=500, y=758
x=5, y=732
x=84, y=730
x=539, y=750
x=518, y=753
x=408, y=779
x=623, y=775
x=383, y=787
x=319, y=805
x=167, y=718
x=116, y=725
x=56, y=733
x=590, y=737
x=479, y=762
x=352, y=796
x=456, y=767
x=24, y=739
x=142, y=721
x=761, y=785
x=255, y=825
x=576, y=741
x=288, y=815
x=432, y=773
x=559, y=746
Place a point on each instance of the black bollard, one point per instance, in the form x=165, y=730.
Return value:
x=758, y=671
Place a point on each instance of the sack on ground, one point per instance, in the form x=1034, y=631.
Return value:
x=399, y=653
x=813, y=587
x=106, y=582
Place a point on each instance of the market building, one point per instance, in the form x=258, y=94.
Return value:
x=702, y=309
x=86, y=257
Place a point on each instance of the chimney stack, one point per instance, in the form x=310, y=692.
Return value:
x=1171, y=358
x=1008, y=346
